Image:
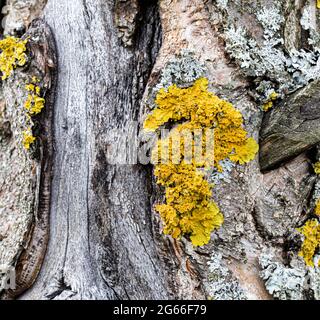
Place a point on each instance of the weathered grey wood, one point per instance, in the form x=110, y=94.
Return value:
x=291, y=128
x=101, y=242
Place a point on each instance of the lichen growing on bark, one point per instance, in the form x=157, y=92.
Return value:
x=294, y=281
x=284, y=283
x=17, y=184
x=188, y=209
x=28, y=138
x=13, y=54
x=311, y=244
x=25, y=177
x=181, y=70
x=314, y=279
x=221, y=284
x=34, y=103
x=33, y=106
x=316, y=167
x=317, y=208
x=260, y=50
x=269, y=103
x=316, y=195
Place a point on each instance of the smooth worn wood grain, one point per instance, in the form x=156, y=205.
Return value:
x=101, y=241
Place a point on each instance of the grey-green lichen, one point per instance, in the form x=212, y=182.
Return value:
x=181, y=70
x=261, y=52
x=308, y=23
x=221, y=284
x=216, y=176
x=314, y=280
x=282, y=282
x=289, y=282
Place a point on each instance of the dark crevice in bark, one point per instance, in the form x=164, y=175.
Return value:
x=61, y=287
x=2, y=5
x=259, y=227
x=305, y=34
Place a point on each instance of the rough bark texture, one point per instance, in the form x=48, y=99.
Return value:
x=26, y=176
x=20, y=13
x=106, y=240
x=282, y=137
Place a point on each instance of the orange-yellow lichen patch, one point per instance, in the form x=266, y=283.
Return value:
x=188, y=209
x=33, y=106
x=28, y=139
x=311, y=243
x=317, y=208
x=316, y=167
x=269, y=103
x=205, y=122
x=34, y=103
x=12, y=55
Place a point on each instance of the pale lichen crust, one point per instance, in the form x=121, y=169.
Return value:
x=294, y=281
x=264, y=50
x=221, y=284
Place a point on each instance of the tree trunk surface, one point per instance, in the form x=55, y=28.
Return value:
x=100, y=236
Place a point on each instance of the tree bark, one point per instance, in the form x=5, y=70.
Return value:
x=284, y=137
x=105, y=238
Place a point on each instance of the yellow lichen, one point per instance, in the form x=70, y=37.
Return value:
x=33, y=106
x=34, y=103
x=269, y=103
x=12, y=55
x=316, y=167
x=318, y=4
x=311, y=243
x=317, y=208
x=28, y=139
x=189, y=209
x=35, y=79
